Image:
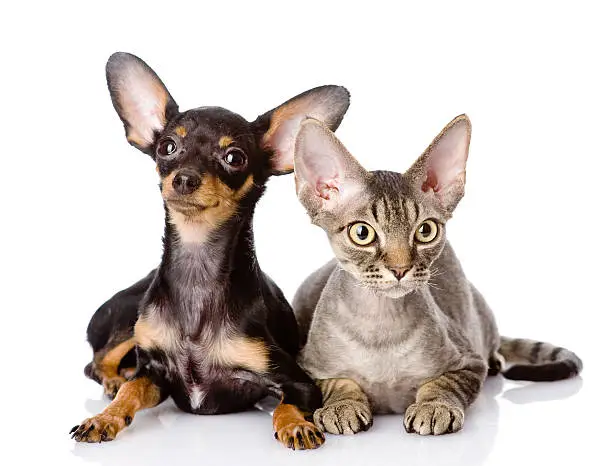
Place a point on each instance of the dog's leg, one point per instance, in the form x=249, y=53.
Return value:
x=293, y=430
x=345, y=410
x=133, y=396
x=301, y=397
x=106, y=367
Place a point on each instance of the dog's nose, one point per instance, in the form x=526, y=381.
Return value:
x=186, y=182
x=399, y=272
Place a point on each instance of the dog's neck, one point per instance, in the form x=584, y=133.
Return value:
x=203, y=273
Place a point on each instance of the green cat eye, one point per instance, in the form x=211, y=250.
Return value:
x=362, y=234
x=427, y=232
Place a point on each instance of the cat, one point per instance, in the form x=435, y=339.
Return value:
x=377, y=335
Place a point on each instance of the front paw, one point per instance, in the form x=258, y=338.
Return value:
x=344, y=417
x=301, y=435
x=100, y=428
x=433, y=418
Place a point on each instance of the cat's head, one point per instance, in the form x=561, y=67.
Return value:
x=385, y=228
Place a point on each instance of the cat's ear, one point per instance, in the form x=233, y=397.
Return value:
x=326, y=174
x=440, y=171
x=140, y=98
x=277, y=129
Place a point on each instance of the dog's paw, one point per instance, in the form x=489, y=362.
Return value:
x=433, y=418
x=112, y=385
x=344, y=417
x=100, y=428
x=302, y=435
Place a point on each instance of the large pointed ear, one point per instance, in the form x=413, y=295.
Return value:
x=440, y=171
x=140, y=98
x=278, y=128
x=326, y=174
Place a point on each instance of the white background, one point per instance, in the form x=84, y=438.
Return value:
x=82, y=215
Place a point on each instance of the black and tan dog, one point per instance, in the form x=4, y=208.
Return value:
x=207, y=327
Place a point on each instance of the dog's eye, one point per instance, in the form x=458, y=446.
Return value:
x=427, y=232
x=362, y=234
x=166, y=147
x=235, y=157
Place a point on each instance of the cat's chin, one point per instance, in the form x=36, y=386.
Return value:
x=393, y=292
x=397, y=292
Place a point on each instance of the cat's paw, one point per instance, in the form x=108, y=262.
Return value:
x=100, y=428
x=300, y=435
x=433, y=418
x=344, y=417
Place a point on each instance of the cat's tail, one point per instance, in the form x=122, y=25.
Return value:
x=538, y=361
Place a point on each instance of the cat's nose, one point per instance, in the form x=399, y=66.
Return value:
x=399, y=272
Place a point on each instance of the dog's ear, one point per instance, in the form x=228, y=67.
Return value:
x=278, y=128
x=140, y=98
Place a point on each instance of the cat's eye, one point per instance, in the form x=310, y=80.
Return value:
x=427, y=232
x=362, y=234
x=235, y=157
x=166, y=147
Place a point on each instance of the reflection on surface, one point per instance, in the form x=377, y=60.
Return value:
x=532, y=392
x=165, y=435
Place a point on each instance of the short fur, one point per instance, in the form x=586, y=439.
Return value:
x=395, y=326
x=207, y=327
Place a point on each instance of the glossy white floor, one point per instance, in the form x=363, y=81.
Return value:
x=557, y=423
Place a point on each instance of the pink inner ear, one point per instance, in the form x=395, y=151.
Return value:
x=282, y=142
x=324, y=188
x=431, y=182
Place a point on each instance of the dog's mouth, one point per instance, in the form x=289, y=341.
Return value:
x=186, y=206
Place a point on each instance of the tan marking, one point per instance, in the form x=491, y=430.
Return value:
x=218, y=204
x=225, y=141
x=181, y=131
x=133, y=396
x=290, y=425
x=228, y=349
x=223, y=348
x=248, y=353
x=149, y=333
x=108, y=366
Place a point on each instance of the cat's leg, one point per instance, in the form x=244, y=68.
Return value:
x=440, y=403
x=345, y=410
x=133, y=396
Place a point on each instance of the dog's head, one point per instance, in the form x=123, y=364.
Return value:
x=211, y=161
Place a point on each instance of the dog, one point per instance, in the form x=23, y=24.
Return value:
x=207, y=328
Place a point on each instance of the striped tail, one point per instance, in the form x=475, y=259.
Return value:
x=538, y=361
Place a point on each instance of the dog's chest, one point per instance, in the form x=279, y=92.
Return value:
x=198, y=369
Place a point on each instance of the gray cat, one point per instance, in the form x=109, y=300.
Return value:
x=377, y=335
